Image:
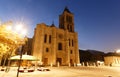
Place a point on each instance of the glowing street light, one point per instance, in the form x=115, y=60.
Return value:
x=22, y=31
x=118, y=51
x=18, y=27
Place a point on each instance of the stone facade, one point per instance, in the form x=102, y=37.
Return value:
x=52, y=45
x=112, y=60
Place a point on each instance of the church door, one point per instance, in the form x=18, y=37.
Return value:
x=59, y=60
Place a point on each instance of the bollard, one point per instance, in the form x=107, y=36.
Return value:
x=51, y=65
x=58, y=64
x=74, y=64
x=83, y=64
x=87, y=64
x=94, y=64
x=69, y=65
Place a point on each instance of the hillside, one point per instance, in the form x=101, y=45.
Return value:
x=91, y=55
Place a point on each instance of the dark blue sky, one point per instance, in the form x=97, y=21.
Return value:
x=96, y=21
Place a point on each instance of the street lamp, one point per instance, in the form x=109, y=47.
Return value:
x=20, y=58
x=19, y=28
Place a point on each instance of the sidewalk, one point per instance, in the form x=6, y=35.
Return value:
x=66, y=72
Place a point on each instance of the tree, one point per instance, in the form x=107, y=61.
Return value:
x=9, y=40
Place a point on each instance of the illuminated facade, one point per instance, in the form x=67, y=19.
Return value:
x=112, y=59
x=54, y=45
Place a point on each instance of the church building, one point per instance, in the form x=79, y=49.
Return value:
x=52, y=45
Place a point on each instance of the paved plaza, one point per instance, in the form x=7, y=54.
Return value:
x=67, y=72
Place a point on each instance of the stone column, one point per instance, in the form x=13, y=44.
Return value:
x=76, y=47
x=53, y=46
x=67, y=50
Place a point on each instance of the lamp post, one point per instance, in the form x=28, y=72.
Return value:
x=19, y=63
x=19, y=28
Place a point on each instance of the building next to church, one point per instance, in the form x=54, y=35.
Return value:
x=52, y=44
x=112, y=59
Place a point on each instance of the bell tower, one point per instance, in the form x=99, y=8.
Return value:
x=66, y=20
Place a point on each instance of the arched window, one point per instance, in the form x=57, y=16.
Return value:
x=71, y=28
x=59, y=46
x=71, y=52
x=47, y=49
x=67, y=18
x=70, y=19
x=68, y=27
x=45, y=38
x=49, y=38
x=69, y=42
x=72, y=43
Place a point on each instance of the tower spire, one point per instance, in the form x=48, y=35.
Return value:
x=66, y=9
x=66, y=20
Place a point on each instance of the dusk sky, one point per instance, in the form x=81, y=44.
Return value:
x=96, y=21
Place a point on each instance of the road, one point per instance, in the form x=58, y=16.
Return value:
x=68, y=72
